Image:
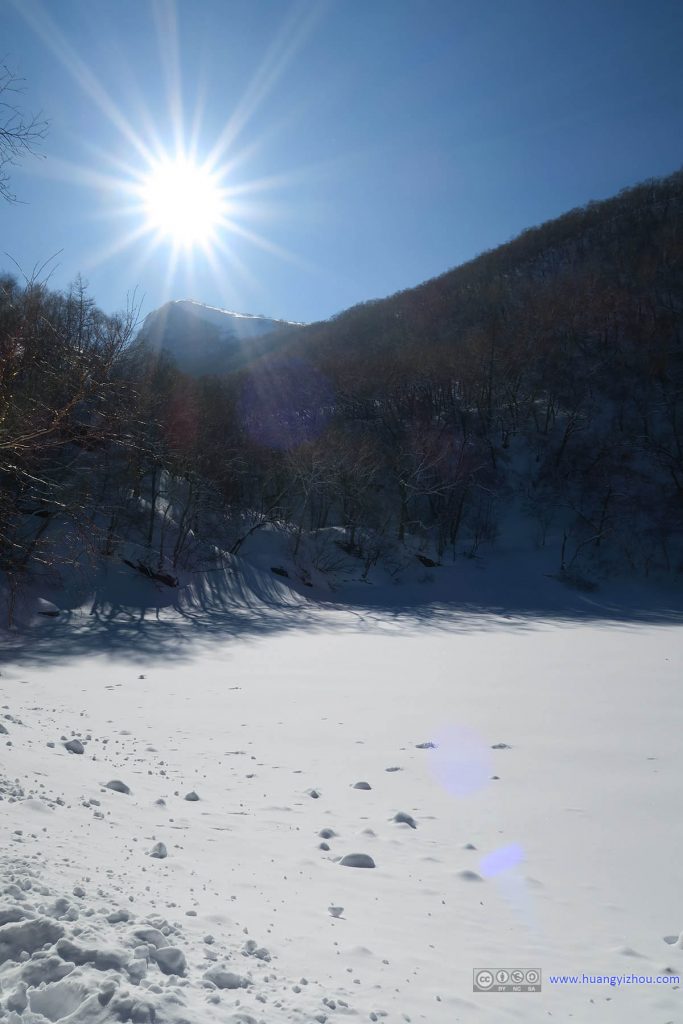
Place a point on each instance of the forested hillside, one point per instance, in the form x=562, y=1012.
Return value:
x=534, y=394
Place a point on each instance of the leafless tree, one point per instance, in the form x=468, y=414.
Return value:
x=20, y=132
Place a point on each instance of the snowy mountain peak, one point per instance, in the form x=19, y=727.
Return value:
x=207, y=339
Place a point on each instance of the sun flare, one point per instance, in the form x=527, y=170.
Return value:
x=183, y=201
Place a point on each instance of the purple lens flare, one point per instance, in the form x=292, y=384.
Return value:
x=503, y=859
x=285, y=403
x=461, y=761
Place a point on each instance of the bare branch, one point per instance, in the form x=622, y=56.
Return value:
x=20, y=132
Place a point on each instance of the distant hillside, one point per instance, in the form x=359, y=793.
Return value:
x=544, y=377
x=529, y=399
x=203, y=339
x=626, y=246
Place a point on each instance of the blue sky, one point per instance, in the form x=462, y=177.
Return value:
x=367, y=146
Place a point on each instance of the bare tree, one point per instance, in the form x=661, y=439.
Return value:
x=20, y=132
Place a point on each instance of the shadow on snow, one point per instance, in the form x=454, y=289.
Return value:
x=134, y=619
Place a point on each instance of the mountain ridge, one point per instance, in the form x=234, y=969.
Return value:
x=208, y=339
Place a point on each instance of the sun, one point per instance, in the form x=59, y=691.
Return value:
x=183, y=201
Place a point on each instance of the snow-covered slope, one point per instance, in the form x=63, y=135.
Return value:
x=205, y=339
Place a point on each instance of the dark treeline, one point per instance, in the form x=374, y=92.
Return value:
x=542, y=380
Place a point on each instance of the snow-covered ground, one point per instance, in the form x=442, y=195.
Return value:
x=535, y=762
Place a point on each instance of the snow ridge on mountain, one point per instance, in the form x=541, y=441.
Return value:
x=217, y=315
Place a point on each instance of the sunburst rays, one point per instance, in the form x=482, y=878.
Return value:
x=180, y=194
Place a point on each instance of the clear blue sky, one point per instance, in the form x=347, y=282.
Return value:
x=372, y=143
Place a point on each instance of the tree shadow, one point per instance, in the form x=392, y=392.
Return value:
x=137, y=620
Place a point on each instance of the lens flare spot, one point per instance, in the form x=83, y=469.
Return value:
x=503, y=859
x=284, y=403
x=460, y=761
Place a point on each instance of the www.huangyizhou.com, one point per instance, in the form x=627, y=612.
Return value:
x=614, y=979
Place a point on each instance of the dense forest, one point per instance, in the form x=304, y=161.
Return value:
x=542, y=382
